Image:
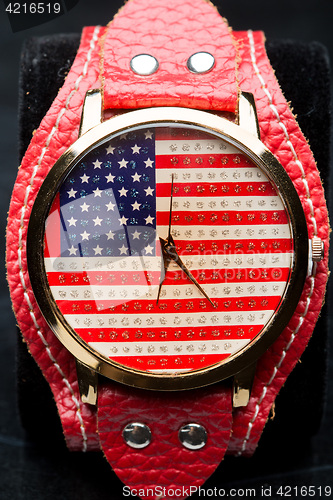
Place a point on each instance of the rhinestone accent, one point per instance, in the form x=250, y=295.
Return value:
x=137, y=435
x=193, y=436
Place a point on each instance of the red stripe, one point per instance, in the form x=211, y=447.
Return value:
x=223, y=218
x=169, y=334
x=208, y=189
x=170, y=306
x=173, y=277
x=180, y=362
x=52, y=230
x=229, y=247
x=202, y=159
x=181, y=134
x=104, y=278
x=229, y=276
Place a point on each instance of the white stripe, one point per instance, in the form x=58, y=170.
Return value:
x=233, y=232
x=251, y=175
x=194, y=147
x=128, y=349
x=172, y=370
x=102, y=264
x=160, y=320
x=235, y=262
x=100, y=294
x=172, y=292
x=193, y=262
x=209, y=203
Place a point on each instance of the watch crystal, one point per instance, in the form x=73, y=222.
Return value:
x=167, y=250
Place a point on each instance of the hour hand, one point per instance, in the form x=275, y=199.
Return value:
x=170, y=253
x=166, y=263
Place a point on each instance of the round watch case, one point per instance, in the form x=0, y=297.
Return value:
x=121, y=126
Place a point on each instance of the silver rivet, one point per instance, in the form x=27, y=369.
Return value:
x=200, y=62
x=144, y=64
x=137, y=435
x=193, y=436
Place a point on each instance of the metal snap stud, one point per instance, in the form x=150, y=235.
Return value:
x=144, y=64
x=137, y=435
x=193, y=436
x=200, y=62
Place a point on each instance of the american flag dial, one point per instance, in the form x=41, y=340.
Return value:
x=105, y=265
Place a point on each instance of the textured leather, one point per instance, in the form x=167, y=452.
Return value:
x=281, y=134
x=56, y=132
x=171, y=32
x=165, y=462
x=172, y=84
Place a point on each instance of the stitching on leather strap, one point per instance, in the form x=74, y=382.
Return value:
x=309, y=201
x=284, y=129
x=61, y=113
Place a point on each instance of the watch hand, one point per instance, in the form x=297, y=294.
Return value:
x=170, y=213
x=169, y=253
x=166, y=258
x=166, y=263
x=169, y=248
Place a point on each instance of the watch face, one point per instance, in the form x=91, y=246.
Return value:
x=167, y=250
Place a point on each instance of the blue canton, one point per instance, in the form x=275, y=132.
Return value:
x=108, y=201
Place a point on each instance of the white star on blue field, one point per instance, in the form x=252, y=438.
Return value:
x=108, y=201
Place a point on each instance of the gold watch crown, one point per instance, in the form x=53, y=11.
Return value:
x=318, y=249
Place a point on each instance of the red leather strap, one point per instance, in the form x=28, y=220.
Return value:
x=171, y=32
x=281, y=134
x=164, y=463
x=56, y=132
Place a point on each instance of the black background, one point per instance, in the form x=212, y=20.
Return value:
x=30, y=472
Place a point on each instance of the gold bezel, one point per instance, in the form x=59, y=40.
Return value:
x=251, y=147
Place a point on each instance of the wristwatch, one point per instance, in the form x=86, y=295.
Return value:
x=167, y=244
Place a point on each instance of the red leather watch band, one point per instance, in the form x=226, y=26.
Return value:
x=56, y=132
x=171, y=32
x=167, y=32
x=164, y=463
x=281, y=134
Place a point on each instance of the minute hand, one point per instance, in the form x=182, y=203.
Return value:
x=164, y=245
x=169, y=248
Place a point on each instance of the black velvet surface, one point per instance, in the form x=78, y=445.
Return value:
x=303, y=72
